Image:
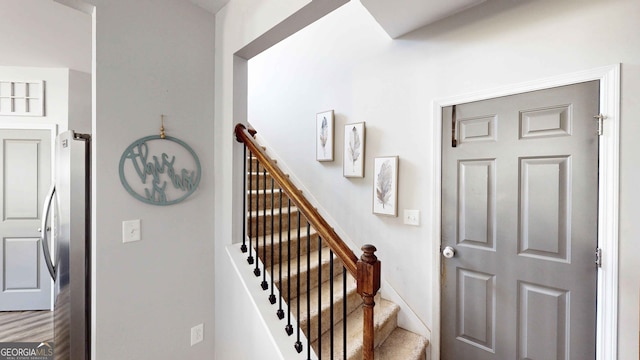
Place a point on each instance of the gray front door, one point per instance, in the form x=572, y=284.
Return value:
x=519, y=210
x=25, y=176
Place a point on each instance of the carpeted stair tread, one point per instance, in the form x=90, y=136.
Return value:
x=402, y=344
x=391, y=342
x=286, y=240
x=291, y=280
x=353, y=301
x=385, y=320
x=258, y=227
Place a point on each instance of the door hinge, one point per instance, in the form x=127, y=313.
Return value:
x=598, y=257
x=454, y=120
x=600, y=118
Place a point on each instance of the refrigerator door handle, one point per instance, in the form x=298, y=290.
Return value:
x=45, y=231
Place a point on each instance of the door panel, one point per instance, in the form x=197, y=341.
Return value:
x=21, y=179
x=542, y=319
x=476, y=198
x=475, y=308
x=25, y=175
x=544, y=220
x=519, y=205
x=21, y=272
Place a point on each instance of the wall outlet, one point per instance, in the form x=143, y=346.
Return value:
x=131, y=230
x=197, y=334
x=412, y=217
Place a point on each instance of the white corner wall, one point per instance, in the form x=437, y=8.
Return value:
x=238, y=24
x=79, y=117
x=347, y=63
x=152, y=58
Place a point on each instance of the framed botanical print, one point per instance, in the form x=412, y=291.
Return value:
x=324, y=136
x=385, y=185
x=353, y=162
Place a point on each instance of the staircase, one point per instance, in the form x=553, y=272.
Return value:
x=282, y=240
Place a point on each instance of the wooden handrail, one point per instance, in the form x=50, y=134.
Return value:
x=366, y=269
x=326, y=232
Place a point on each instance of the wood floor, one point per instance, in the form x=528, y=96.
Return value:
x=26, y=326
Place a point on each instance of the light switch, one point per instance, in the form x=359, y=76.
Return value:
x=131, y=230
x=412, y=217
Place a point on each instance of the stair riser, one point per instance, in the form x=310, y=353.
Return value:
x=258, y=201
x=264, y=224
x=380, y=334
x=274, y=252
x=313, y=278
x=353, y=302
x=385, y=321
x=257, y=181
x=255, y=165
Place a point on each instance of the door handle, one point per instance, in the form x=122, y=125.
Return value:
x=448, y=252
x=46, y=209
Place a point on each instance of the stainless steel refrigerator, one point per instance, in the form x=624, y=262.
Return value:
x=67, y=245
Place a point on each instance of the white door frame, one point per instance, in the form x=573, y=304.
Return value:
x=609, y=153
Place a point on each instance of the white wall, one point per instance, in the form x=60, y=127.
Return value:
x=153, y=57
x=347, y=63
x=80, y=102
x=44, y=34
x=44, y=40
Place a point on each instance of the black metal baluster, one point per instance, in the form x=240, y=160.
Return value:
x=298, y=344
x=289, y=327
x=344, y=312
x=264, y=283
x=309, y=290
x=256, y=270
x=331, y=302
x=272, y=297
x=250, y=175
x=243, y=248
x=319, y=297
x=280, y=312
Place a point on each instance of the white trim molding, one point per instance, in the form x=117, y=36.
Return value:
x=608, y=192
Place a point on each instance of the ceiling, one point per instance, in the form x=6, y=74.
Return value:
x=396, y=17
x=211, y=6
x=399, y=17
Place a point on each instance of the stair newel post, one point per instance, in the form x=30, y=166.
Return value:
x=368, y=274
